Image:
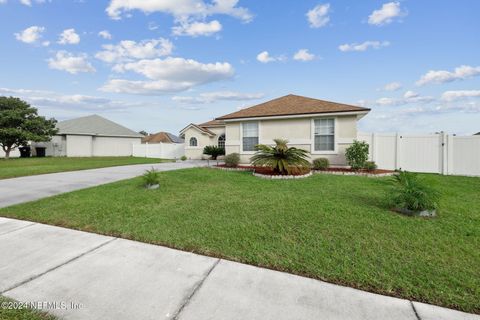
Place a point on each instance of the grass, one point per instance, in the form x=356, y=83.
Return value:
x=19, y=167
x=334, y=228
x=20, y=314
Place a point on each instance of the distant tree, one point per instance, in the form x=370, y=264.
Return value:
x=20, y=123
x=143, y=132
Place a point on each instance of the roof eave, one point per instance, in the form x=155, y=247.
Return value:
x=302, y=115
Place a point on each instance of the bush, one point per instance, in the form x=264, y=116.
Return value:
x=370, y=166
x=183, y=158
x=232, y=160
x=150, y=178
x=281, y=158
x=213, y=151
x=357, y=155
x=412, y=193
x=321, y=164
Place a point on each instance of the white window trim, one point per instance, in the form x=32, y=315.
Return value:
x=241, y=136
x=335, y=136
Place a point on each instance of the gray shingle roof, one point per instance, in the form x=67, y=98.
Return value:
x=95, y=125
x=174, y=138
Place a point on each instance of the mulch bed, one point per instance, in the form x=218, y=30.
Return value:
x=347, y=171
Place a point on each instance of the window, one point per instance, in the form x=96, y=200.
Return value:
x=324, y=135
x=221, y=141
x=250, y=135
x=193, y=142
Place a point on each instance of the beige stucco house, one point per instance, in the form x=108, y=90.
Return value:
x=325, y=129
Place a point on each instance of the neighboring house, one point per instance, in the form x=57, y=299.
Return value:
x=162, y=137
x=91, y=136
x=325, y=129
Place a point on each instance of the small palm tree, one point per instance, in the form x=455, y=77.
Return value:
x=281, y=158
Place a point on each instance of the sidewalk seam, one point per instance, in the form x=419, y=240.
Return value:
x=194, y=291
x=28, y=225
x=57, y=267
x=415, y=311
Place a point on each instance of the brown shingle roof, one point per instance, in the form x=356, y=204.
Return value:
x=212, y=123
x=291, y=105
x=164, y=137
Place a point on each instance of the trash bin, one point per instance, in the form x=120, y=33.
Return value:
x=24, y=152
x=40, y=151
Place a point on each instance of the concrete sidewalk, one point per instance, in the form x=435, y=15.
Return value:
x=110, y=278
x=23, y=189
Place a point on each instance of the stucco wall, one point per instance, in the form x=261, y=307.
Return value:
x=113, y=146
x=203, y=139
x=79, y=146
x=299, y=133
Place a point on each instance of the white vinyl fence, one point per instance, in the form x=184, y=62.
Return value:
x=435, y=153
x=159, y=150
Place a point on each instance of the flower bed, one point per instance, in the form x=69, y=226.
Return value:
x=266, y=172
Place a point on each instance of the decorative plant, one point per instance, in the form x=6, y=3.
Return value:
x=370, y=166
x=213, y=151
x=281, y=158
x=183, y=158
x=232, y=160
x=151, y=178
x=412, y=193
x=357, y=155
x=321, y=164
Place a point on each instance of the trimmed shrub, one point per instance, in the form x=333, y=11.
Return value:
x=232, y=160
x=357, y=154
x=183, y=158
x=213, y=151
x=321, y=164
x=370, y=166
x=412, y=193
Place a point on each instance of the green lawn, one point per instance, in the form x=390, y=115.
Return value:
x=20, y=314
x=334, y=228
x=19, y=167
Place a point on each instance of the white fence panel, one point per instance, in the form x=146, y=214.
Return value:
x=13, y=154
x=159, y=150
x=465, y=157
x=434, y=153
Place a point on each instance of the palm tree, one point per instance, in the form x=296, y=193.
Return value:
x=281, y=158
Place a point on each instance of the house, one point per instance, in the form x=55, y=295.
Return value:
x=90, y=136
x=325, y=129
x=162, y=137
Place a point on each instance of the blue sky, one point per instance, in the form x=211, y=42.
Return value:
x=159, y=65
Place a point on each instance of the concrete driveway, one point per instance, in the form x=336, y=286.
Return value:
x=23, y=189
x=89, y=276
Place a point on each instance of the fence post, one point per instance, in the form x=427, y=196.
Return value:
x=450, y=150
x=443, y=150
x=374, y=147
x=146, y=149
x=397, y=151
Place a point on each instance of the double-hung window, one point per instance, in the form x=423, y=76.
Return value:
x=250, y=135
x=324, y=135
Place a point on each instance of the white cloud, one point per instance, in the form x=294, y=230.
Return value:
x=210, y=97
x=69, y=36
x=303, y=55
x=460, y=94
x=105, y=34
x=265, y=57
x=180, y=9
x=386, y=14
x=128, y=50
x=392, y=86
x=442, y=76
x=410, y=94
x=363, y=46
x=30, y=35
x=195, y=29
x=70, y=62
x=3, y=1
x=318, y=16
x=168, y=75
x=28, y=2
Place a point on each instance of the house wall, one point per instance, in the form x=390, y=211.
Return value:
x=203, y=139
x=79, y=146
x=299, y=132
x=114, y=146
